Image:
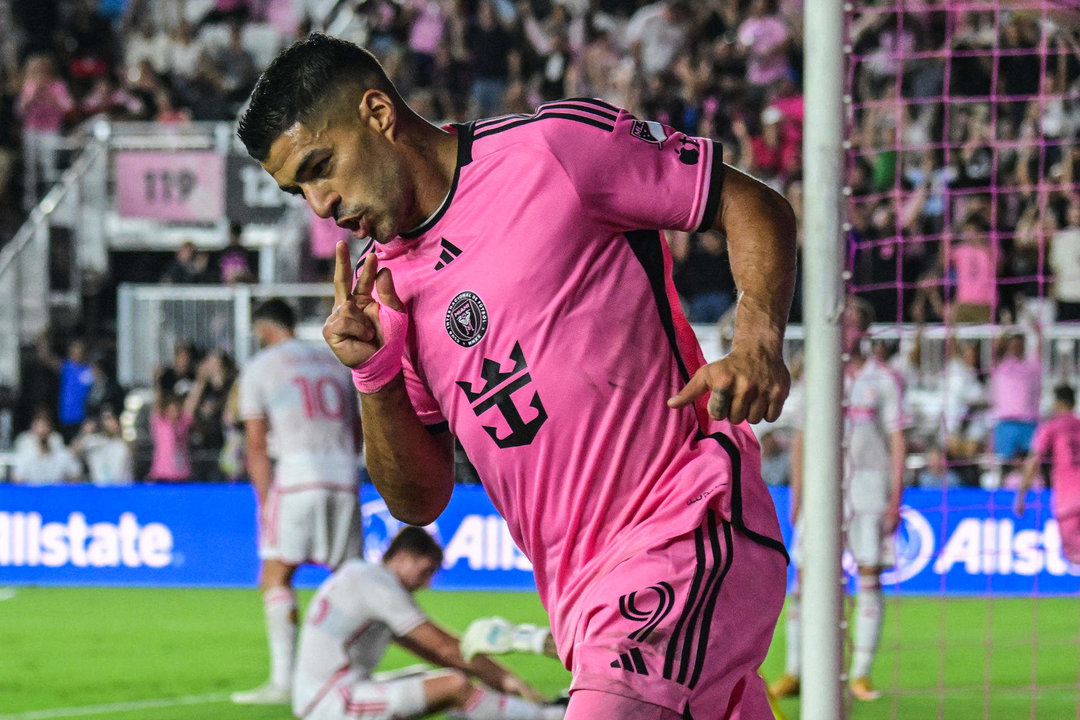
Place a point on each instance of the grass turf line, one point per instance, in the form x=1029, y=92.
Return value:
x=105, y=648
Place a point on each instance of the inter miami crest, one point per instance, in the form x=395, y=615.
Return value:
x=466, y=319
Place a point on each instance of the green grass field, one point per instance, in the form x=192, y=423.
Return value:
x=163, y=654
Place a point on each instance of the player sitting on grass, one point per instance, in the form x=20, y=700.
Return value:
x=353, y=617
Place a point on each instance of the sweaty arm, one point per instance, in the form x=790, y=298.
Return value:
x=432, y=643
x=412, y=468
x=751, y=382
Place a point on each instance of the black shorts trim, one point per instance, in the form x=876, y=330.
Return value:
x=736, y=496
x=690, y=639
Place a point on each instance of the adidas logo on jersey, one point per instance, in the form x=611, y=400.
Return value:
x=631, y=661
x=449, y=253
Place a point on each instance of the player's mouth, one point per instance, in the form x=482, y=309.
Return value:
x=357, y=226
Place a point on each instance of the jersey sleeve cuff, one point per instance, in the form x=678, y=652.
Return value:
x=438, y=428
x=716, y=186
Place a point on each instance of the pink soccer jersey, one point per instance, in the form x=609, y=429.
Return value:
x=545, y=330
x=1059, y=438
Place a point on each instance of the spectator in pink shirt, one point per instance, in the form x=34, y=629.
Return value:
x=170, y=425
x=426, y=31
x=975, y=269
x=1015, y=388
x=764, y=37
x=44, y=102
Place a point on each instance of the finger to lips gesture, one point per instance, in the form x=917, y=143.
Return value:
x=744, y=385
x=353, y=330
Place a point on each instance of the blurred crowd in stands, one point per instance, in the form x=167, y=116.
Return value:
x=963, y=167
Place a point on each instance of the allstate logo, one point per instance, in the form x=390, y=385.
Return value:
x=914, y=547
x=380, y=527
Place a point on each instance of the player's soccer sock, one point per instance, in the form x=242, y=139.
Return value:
x=280, y=604
x=868, y=621
x=793, y=638
x=489, y=705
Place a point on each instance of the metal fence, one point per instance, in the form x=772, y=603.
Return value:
x=27, y=292
x=153, y=319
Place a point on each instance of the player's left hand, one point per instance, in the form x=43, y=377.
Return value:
x=750, y=383
x=891, y=521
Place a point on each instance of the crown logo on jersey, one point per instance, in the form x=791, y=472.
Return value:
x=498, y=392
x=466, y=319
x=448, y=255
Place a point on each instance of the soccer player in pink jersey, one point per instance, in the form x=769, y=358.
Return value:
x=517, y=296
x=1058, y=438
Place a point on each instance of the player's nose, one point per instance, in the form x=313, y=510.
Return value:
x=325, y=203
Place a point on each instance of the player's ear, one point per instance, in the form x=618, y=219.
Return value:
x=378, y=112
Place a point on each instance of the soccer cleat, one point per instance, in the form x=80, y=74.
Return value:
x=863, y=689
x=785, y=686
x=268, y=694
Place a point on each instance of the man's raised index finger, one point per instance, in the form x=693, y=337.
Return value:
x=343, y=278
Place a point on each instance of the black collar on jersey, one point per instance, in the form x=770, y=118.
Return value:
x=464, y=133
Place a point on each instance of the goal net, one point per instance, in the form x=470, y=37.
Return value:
x=963, y=225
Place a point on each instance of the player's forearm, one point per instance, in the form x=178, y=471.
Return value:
x=899, y=456
x=489, y=672
x=760, y=228
x=261, y=472
x=1027, y=479
x=412, y=469
x=796, y=473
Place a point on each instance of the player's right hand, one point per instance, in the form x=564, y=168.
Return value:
x=489, y=636
x=353, y=330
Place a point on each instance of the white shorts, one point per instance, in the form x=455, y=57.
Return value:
x=311, y=525
x=355, y=699
x=868, y=544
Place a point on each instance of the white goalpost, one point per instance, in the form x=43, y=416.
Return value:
x=823, y=300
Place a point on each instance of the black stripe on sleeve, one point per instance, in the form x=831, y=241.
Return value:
x=584, y=105
x=438, y=428
x=603, y=125
x=716, y=186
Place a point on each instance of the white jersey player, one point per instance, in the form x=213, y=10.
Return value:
x=352, y=619
x=302, y=427
x=874, y=453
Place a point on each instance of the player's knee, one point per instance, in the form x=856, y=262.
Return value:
x=869, y=581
